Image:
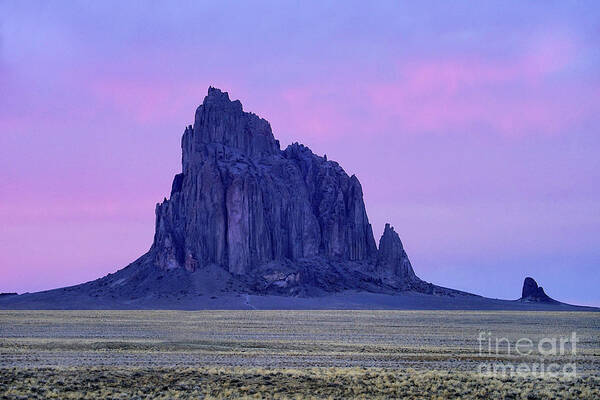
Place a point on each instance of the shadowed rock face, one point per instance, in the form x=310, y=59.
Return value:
x=241, y=202
x=534, y=293
x=244, y=205
x=393, y=265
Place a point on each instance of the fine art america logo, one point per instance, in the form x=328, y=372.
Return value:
x=547, y=357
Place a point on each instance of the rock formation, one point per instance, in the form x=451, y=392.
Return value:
x=393, y=265
x=534, y=293
x=288, y=218
x=245, y=217
x=247, y=221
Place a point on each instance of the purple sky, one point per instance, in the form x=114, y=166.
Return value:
x=472, y=126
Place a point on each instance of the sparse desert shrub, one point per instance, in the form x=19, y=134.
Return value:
x=278, y=355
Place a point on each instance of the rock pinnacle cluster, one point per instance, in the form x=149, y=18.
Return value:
x=286, y=221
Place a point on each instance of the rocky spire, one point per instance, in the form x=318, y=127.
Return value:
x=533, y=293
x=393, y=265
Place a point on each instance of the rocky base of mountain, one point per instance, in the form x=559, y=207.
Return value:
x=311, y=277
x=310, y=284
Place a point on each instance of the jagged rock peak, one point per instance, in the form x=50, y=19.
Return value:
x=390, y=245
x=534, y=293
x=217, y=97
x=392, y=261
x=244, y=205
x=530, y=287
x=221, y=122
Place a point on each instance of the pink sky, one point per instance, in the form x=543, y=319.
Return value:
x=473, y=128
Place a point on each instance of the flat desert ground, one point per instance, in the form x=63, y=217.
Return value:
x=296, y=354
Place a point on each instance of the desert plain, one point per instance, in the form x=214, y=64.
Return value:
x=298, y=354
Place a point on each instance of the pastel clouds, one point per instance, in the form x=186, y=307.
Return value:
x=530, y=93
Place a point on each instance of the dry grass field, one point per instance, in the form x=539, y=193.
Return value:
x=292, y=354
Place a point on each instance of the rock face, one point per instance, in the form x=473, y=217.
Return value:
x=534, y=293
x=269, y=216
x=393, y=265
x=241, y=202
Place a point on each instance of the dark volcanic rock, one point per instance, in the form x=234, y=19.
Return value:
x=286, y=222
x=534, y=293
x=241, y=202
x=393, y=265
x=530, y=288
x=245, y=217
